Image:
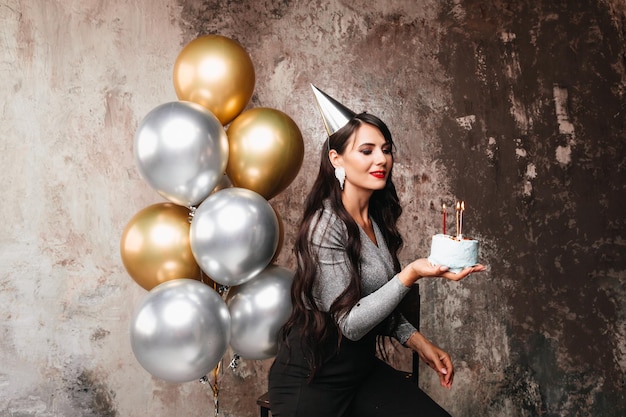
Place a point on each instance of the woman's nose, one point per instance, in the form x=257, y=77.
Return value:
x=380, y=158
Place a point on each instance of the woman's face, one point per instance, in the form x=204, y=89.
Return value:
x=367, y=159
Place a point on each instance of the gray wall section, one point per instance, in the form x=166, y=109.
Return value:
x=516, y=107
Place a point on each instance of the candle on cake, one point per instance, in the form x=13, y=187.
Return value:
x=460, y=234
x=458, y=218
x=443, y=210
x=455, y=252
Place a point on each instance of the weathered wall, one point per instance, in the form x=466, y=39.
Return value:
x=517, y=107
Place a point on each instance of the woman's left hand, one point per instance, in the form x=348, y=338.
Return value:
x=424, y=269
x=434, y=356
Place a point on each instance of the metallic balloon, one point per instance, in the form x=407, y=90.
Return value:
x=281, y=235
x=180, y=331
x=181, y=150
x=266, y=151
x=258, y=309
x=155, y=246
x=234, y=235
x=223, y=183
x=217, y=73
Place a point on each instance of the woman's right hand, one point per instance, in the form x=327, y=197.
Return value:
x=434, y=357
x=422, y=268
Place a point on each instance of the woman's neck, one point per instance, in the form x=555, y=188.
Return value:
x=357, y=205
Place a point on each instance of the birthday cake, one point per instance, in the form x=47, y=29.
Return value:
x=454, y=252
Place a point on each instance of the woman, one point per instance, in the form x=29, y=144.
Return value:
x=347, y=287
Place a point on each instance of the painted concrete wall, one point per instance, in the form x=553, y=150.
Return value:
x=516, y=107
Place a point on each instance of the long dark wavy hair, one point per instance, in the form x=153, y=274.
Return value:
x=317, y=327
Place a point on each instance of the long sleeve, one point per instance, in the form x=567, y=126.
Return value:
x=403, y=329
x=381, y=288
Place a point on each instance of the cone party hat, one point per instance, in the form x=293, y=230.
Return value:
x=335, y=114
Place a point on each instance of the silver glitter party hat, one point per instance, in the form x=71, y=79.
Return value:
x=335, y=114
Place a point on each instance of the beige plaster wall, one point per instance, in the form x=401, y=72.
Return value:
x=477, y=97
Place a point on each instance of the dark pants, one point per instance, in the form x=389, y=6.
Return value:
x=352, y=383
x=387, y=392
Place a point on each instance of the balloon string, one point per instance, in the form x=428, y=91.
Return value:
x=202, y=276
x=216, y=403
x=216, y=388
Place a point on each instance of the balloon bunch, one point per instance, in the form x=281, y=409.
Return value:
x=206, y=256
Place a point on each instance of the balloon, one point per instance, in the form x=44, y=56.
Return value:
x=258, y=309
x=223, y=183
x=234, y=235
x=180, y=331
x=217, y=73
x=155, y=246
x=266, y=151
x=281, y=235
x=181, y=150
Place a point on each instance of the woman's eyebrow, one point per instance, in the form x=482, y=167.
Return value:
x=370, y=144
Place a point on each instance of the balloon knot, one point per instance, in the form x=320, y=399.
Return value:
x=234, y=362
x=192, y=212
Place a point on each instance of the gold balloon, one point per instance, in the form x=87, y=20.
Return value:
x=217, y=73
x=266, y=151
x=155, y=246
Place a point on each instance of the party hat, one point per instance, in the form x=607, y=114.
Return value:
x=335, y=114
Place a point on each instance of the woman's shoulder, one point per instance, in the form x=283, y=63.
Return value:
x=327, y=221
x=328, y=216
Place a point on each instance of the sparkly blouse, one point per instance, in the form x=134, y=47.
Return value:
x=381, y=289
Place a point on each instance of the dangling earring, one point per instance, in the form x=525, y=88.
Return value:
x=340, y=174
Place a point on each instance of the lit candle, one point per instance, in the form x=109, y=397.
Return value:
x=461, y=220
x=443, y=209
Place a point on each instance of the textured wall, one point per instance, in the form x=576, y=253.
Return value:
x=517, y=107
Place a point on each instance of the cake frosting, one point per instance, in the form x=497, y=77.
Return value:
x=453, y=252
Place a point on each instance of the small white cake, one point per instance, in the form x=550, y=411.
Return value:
x=452, y=252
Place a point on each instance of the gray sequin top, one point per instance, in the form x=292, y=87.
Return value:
x=382, y=290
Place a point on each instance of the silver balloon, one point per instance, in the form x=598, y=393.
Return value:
x=258, y=309
x=234, y=234
x=224, y=182
x=181, y=150
x=181, y=330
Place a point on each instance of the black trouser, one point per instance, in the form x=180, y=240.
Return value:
x=353, y=383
